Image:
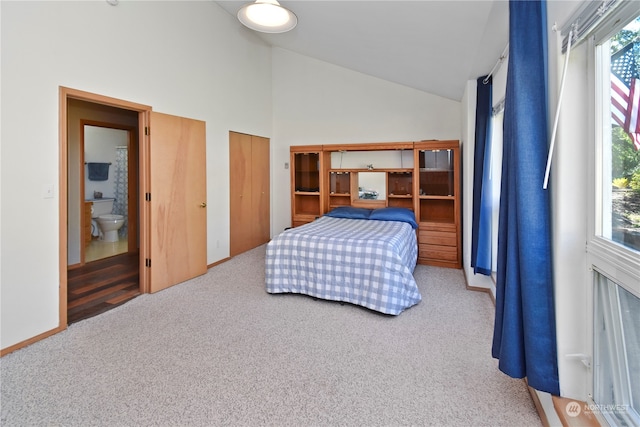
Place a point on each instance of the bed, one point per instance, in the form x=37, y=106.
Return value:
x=359, y=256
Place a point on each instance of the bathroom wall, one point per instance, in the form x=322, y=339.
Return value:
x=100, y=147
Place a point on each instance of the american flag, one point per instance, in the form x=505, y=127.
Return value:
x=625, y=92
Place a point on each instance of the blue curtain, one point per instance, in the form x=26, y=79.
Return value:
x=481, y=219
x=524, y=338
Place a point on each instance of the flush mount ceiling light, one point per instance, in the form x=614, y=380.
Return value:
x=267, y=16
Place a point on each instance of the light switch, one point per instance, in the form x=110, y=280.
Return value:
x=286, y=165
x=47, y=191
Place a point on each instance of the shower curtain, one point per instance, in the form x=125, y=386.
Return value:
x=121, y=186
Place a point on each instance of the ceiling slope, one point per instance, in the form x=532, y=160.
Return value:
x=432, y=46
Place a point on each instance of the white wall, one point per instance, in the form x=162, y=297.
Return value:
x=191, y=59
x=568, y=184
x=319, y=103
x=569, y=180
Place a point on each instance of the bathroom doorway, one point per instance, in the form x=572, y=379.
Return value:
x=103, y=267
x=100, y=130
x=109, y=152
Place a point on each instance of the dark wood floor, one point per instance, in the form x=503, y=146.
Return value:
x=101, y=285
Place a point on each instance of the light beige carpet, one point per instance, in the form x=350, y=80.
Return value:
x=219, y=350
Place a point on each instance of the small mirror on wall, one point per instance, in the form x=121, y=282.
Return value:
x=372, y=186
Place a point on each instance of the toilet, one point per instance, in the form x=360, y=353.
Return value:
x=108, y=223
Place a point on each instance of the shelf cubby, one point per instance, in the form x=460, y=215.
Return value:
x=307, y=203
x=440, y=210
x=400, y=184
x=306, y=183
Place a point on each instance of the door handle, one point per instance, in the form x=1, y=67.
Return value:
x=203, y=205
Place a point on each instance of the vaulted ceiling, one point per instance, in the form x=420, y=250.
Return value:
x=432, y=46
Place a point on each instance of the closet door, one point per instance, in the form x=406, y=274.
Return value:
x=249, y=192
x=260, y=189
x=240, y=193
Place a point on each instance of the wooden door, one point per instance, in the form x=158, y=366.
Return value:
x=241, y=222
x=260, y=190
x=249, y=192
x=178, y=216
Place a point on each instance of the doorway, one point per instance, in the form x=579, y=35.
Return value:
x=109, y=187
x=102, y=182
x=89, y=288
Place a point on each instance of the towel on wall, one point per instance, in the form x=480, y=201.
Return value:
x=98, y=171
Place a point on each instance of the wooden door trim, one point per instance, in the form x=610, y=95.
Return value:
x=144, y=174
x=64, y=95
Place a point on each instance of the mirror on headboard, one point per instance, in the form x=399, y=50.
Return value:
x=372, y=186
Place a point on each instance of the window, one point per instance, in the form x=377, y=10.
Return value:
x=496, y=173
x=620, y=185
x=613, y=241
x=617, y=346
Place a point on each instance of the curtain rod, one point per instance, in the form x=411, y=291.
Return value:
x=498, y=63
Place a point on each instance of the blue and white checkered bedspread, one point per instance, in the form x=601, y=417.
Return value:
x=364, y=262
